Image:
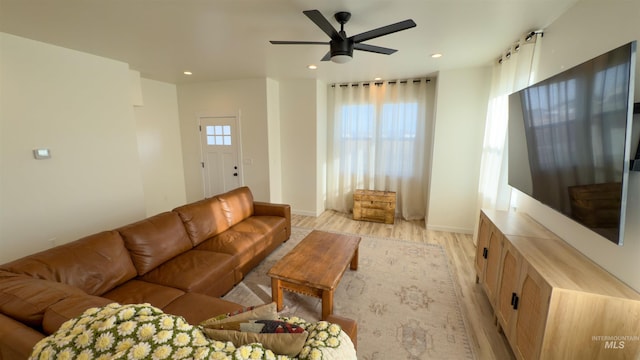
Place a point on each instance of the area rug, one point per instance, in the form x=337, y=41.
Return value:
x=403, y=297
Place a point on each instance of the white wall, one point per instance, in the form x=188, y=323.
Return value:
x=246, y=97
x=79, y=106
x=589, y=29
x=299, y=134
x=321, y=135
x=461, y=108
x=275, y=158
x=160, y=147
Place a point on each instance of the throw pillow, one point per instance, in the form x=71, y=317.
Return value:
x=260, y=312
x=258, y=326
x=289, y=344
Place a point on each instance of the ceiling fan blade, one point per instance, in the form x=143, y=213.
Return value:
x=324, y=24
x=385, y=30
x=326, y=56
x=276, y=42
x=374, y=49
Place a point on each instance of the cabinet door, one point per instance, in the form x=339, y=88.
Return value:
x=484, y=230
x=531, y=315
x=492, y=267
x=507, y=286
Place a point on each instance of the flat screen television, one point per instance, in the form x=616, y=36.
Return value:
x=569, y=141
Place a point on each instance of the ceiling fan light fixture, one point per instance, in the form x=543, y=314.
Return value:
x=341, y=59
x=340, y=46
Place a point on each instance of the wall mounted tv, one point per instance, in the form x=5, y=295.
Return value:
x=569, y=141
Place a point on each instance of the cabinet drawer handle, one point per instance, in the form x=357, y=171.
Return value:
x=485, y=253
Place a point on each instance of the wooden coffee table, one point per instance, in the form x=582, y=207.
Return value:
x=314, y=267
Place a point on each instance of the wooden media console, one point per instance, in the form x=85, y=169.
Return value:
x=551, y=301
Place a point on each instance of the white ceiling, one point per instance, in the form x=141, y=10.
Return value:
x=229, y=39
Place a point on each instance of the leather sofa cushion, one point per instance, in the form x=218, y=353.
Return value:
x=16, y=340
x=140, y=292
x=249, y=241
x=203, y=219
x=196, y=308
x=237, y=204
x=263, y=225
x=154, y=240
x=95, y=264
x=239, y=244
x=195, y=271
x=25, y=298
x=243, y=246
x=69, y=308
x=266, y=226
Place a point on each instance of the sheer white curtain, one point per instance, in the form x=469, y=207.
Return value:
x=379, y=139
x=512, y=72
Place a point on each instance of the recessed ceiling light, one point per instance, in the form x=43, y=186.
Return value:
x=436, y=55
x=377, y=79
x=188, y=73
x=312, y=67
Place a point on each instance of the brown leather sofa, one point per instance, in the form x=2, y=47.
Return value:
x=180, y=261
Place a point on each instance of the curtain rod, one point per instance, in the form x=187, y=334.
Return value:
x=378, y=83
x=528, y=38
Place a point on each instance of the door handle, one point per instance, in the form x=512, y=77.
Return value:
x=235, y=174
x=485, y=253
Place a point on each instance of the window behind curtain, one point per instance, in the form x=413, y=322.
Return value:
x=378, y=141
x=393, y=132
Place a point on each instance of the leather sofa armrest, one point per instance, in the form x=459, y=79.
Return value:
x=349, y=326
x=16, y=339
x=269, y=209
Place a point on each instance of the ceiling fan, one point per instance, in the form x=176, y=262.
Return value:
x=341, y=46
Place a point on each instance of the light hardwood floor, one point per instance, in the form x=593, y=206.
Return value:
x=487, y=342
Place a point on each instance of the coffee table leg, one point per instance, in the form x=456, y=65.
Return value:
x=327, y=303
x=354, y=260
x=276, y=292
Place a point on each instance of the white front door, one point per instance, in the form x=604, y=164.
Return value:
x=219, y=140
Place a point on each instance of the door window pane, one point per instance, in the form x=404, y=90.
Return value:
x=219, y=135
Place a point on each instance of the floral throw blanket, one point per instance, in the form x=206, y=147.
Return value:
x=141, y=331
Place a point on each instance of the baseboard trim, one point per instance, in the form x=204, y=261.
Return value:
x=304, y=213
x=450, y=229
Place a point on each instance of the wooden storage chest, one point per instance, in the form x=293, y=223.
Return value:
x=374, y=205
